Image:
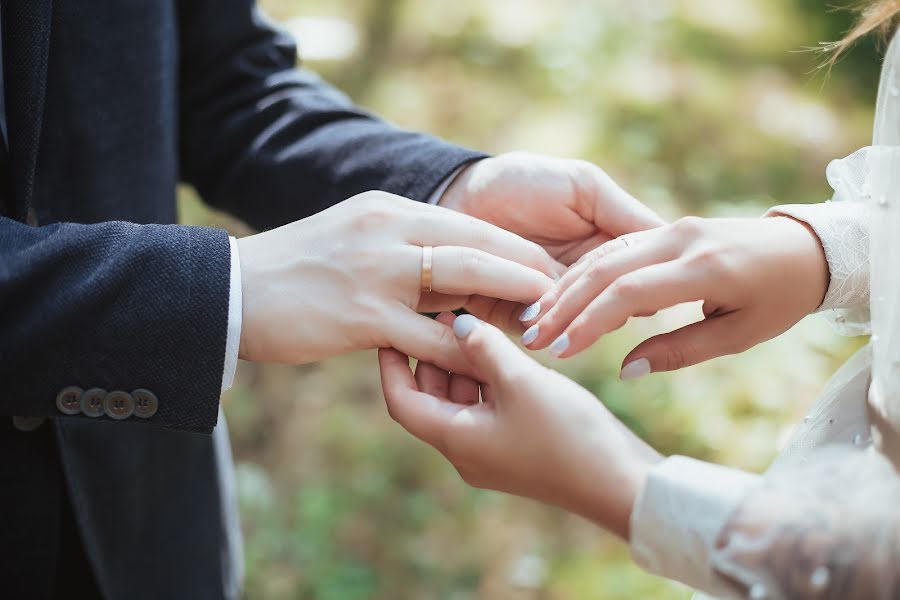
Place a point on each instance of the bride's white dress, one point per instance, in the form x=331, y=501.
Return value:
x=824, y=521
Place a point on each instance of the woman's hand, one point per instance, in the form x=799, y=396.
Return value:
x=535, y=434
x=756, y=278
x=349, y=278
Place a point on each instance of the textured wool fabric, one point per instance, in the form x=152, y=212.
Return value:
x=109, y=106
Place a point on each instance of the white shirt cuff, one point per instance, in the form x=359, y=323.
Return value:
x=438, y=193
x=680, y=513
x=233, y=341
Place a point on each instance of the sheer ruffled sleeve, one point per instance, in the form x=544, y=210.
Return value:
x=828, y=528
x=842, y=225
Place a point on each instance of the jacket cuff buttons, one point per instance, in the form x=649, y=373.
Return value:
x=68, y=401
x=145, y=403
x=117, y=405
x=92, y=402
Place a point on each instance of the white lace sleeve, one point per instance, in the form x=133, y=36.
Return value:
x=826, y=529
x=842, y=225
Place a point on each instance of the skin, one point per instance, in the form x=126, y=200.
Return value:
x=568, y=207
x=577, y=455
x=348, y=278
x=755, y=277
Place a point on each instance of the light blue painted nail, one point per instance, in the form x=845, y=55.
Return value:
x=635, y=369
x=530, y=334
x=560, y=345
x=531, y=312
x=464, y=325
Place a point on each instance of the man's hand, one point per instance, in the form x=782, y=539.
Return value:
x=349, y=278
x=567, y=206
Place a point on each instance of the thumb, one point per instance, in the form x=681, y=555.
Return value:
x=489, y=352
x=690, y=345
x=618, y=211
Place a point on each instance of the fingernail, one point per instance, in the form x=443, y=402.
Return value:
x=559, y=346
x=530, y=334
x=635, y=369
x=464, y=325
x=531, y=312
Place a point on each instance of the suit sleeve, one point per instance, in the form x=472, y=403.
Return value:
x=272, y=143
x=117, y=307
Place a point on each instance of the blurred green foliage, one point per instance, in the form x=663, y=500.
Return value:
x=698, y=106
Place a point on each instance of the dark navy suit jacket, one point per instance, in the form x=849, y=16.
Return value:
x=110, y=103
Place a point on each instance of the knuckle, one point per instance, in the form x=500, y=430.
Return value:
x=372, y=211
x=707, y=260
x=584, y=329
x=592, y=283
x=674, y=356
x=470, y=263
x=627, y=287
x=551, y=317
x=690, y=226
x=367, y=199
x=576, y=329
x=444, y=337
x=601, y=252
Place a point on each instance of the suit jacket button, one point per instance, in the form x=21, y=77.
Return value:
x=118, y=405
x=27, y=423
x=145, y=403
x=92, y=402
x=68, y=401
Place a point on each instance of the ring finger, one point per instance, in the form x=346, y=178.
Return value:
x=575, y=272
x=461, y=271
x=593, y=277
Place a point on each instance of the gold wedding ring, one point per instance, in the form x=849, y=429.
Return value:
x=427, y=262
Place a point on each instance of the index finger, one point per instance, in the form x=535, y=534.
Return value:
x=423, y=415
x=641, y=292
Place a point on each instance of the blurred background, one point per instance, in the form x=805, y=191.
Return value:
x=706, y=107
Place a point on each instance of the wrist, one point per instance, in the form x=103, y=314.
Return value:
x=456, y=194
x=609, y=495
x=810, y=260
